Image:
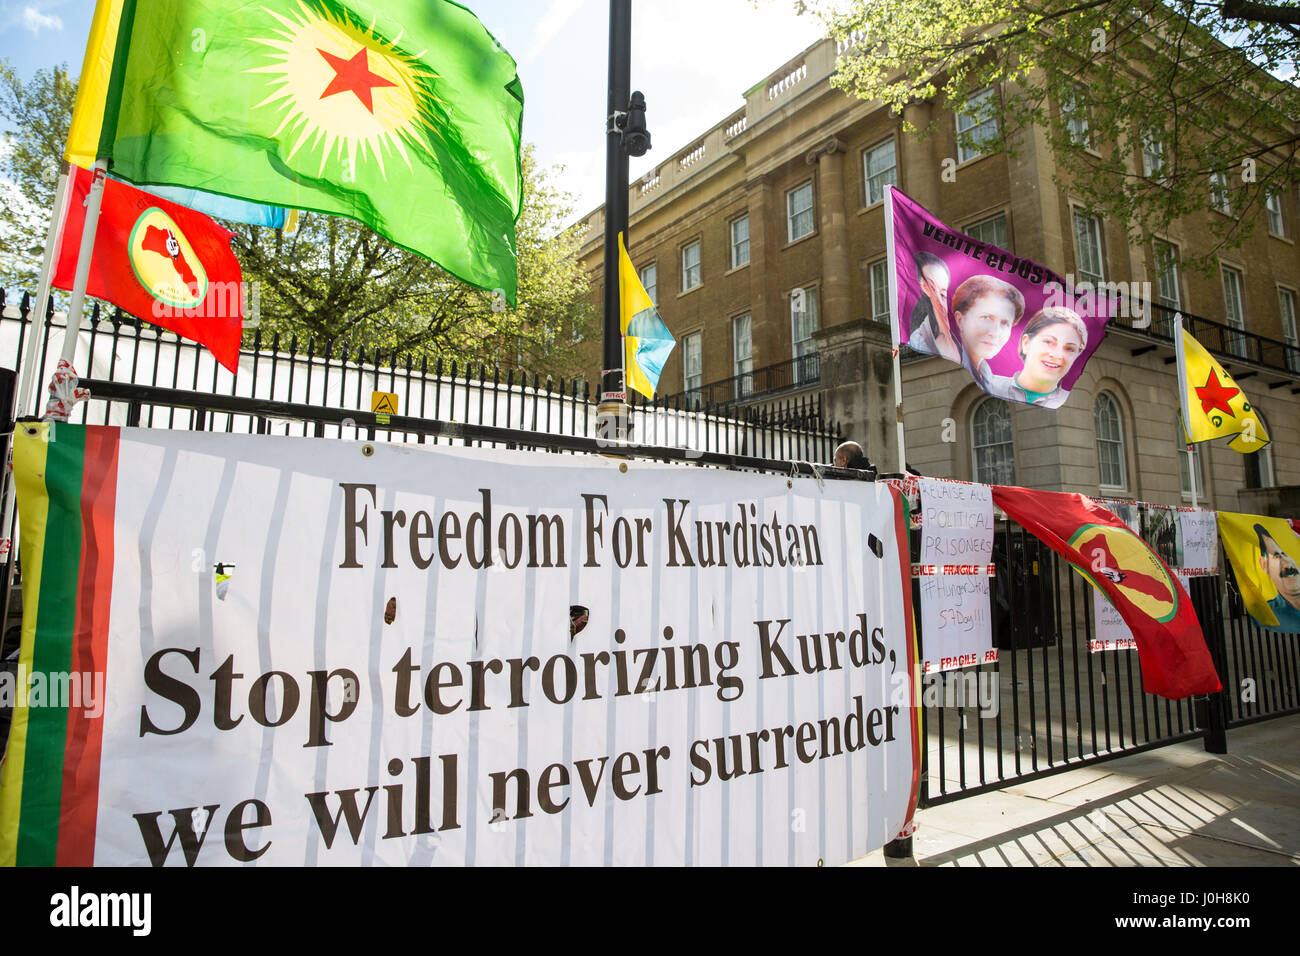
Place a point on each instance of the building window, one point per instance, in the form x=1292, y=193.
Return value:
x=878, y=279
x=650, y=280
x=995, y=456
x=1087, y=242
x=879, y=169
x=1169, y=292
x=991, y=231
x=739, y=242
x=1286, y=309
x=690, y=266
x=1184, y=471
x=1276, y=224
x=977, y=125
x=742, y=347
x=1232, y=310
x=1220, y=197
x=1074, y=115
x=803, y=323
x=1110, y=443
x=799, y=211
x=1259, y=464
x=1168, y=287
x=692, y=368
x=1153, y=154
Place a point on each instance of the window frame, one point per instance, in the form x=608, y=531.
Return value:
x=1271, y=197
x=734, y=245
x=1262, y=460
x=652, y=289
x=1077, y=213
x=1074, y=110
x=698, y=246
x=979, y=224
x=790, y=214
x=867, y=176
x=744, y=376
x=1105, y=395
x=1290, y=336
x=809, y=355
x=1153, y=145
x=878, y=315
x=979, y=476
x=695, y=338
x=1220, y=193
x=1236, y=344
x=980, y=97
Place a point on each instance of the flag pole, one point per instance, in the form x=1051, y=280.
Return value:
x=59, y=214
x=1180, y=357
x=613, y=384
x=892, y=271
x=87, y=249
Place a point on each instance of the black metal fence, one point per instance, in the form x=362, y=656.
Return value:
x=343, y=375
x=1050, y=704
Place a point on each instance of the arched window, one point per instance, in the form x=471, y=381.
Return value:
x=1259, y=464
x=1110, y=443
x=995, y=457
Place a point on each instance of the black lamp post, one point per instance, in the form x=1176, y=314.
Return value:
x=626, y=135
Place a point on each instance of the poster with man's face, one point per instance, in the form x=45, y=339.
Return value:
x=1265, y=557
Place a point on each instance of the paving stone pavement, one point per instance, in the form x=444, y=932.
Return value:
x=1175, y=806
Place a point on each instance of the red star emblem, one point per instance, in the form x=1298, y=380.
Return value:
x=353, y=76
x=1214, y=395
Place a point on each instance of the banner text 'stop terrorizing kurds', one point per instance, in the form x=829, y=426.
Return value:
x=1019, y=328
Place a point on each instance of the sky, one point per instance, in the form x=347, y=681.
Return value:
x=693, y=59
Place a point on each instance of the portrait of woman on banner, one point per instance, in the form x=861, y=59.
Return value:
x=1051, y=343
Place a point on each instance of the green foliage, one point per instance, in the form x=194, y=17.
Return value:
x=1205, y=93
x=36, y=115
x=334, y=279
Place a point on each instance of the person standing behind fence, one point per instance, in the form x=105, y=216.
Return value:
x=850, y=454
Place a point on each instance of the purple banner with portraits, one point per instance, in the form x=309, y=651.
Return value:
x=1013, y=323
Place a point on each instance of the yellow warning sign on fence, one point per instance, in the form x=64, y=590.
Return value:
x=383, y=403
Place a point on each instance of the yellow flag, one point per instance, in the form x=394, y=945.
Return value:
x=647, y=342
x=1213, y=405
x=92, y=90
x=1265, y=556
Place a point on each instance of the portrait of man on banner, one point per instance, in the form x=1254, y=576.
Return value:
x=1016, y=326
x=1265, y=557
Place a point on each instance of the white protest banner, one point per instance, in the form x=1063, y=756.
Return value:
x=956, y=552
x=1111, y=632
x=327, y=653
x=1200, y=533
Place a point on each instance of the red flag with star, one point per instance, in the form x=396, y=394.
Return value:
x=1212, y=404
x=1171, y=647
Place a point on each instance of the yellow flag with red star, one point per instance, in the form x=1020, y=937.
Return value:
x=1213, y=406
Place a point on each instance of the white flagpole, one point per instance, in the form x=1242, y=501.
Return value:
x=59, y=215
x=93, y=202
x=1185, y=412
x=892, y=271
x=35, y=334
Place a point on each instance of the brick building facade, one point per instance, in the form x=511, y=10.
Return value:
x=763, y=243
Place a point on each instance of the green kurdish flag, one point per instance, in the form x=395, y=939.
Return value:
x=405, y=116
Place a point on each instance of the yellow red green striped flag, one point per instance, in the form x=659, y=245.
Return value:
x=49, y=779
